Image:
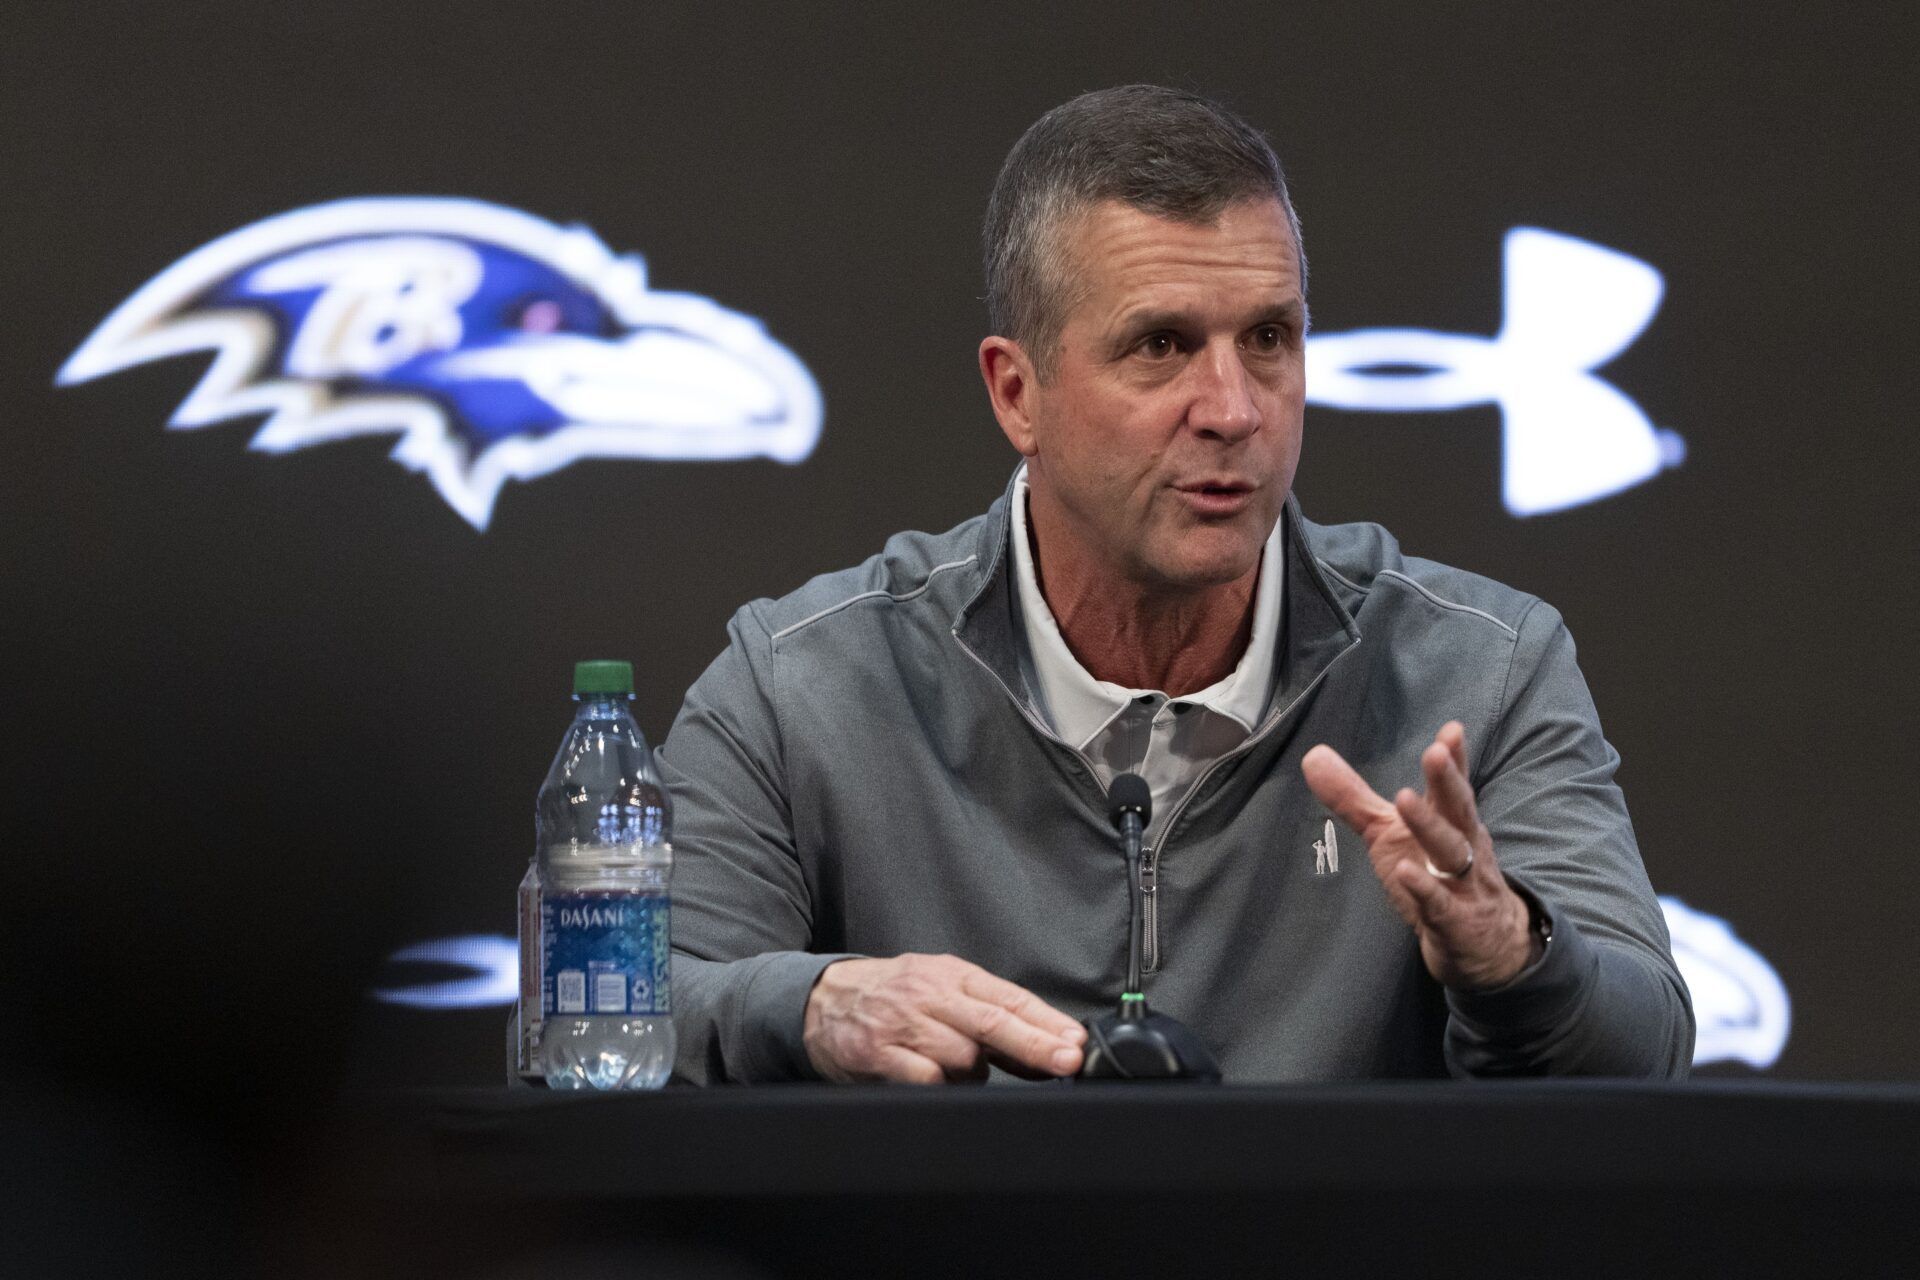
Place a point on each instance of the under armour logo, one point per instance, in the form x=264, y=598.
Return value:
x=1567, y=437
x=1326, y=853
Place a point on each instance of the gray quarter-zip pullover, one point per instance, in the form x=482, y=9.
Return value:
x=861, y=772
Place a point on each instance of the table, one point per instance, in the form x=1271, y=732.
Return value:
x=1534, y=1178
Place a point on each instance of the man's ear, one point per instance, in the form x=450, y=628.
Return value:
x=1011, y=386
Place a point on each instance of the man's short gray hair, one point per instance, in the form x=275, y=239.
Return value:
x=1159, y=150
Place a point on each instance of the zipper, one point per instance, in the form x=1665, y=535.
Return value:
x=1149, y=866
x=1150, y=859
x=1150, y=912
x=1150, y=862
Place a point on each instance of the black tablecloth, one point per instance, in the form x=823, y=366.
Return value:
x=1509, y=1178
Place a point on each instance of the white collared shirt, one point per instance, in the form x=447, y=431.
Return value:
x=1168, y=741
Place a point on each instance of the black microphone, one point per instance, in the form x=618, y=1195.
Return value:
x=1136, y=1043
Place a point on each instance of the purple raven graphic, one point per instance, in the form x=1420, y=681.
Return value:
x=498, y=346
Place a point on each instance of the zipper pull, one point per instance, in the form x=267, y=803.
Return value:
x=1148, y=872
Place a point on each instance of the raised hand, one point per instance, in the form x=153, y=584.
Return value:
x=1435, y=858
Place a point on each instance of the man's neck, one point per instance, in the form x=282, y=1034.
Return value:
x=1178, y=642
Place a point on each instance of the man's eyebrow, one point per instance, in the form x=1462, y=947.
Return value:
x=1292, y=310
x=1152, y=320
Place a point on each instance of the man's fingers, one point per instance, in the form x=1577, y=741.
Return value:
x=1446, y=846
x=903, y=1065
x=1343, y=790
x=1429, y=896
x=1404, y=904
x=957, y=1054
x=1015, y=1067
x=913, y=1017
x=1009, y=1035
x=1022, y=1003
x=1447, y=785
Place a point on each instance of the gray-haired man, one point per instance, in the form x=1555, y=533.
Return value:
x=895, y=862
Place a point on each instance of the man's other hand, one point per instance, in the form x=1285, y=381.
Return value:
x=1435, y=858
x=929, y=1019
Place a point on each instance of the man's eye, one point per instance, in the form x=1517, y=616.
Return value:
x=1157, y=346
x=1268, y=337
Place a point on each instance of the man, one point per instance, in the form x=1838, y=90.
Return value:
x=894, y=856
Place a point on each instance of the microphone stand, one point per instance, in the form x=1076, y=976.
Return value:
x=1134, y=1043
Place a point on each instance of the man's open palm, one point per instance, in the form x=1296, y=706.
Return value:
x=1435, y=858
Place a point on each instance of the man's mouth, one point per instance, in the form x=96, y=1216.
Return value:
x=1216, y=497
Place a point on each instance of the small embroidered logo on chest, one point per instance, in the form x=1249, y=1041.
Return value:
x=1326, y=853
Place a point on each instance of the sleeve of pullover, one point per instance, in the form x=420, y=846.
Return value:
x=742, y=909
x=1606, y=998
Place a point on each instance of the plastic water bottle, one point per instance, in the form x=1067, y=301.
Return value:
x=603, y=821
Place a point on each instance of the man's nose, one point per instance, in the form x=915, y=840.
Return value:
x=1223, y=403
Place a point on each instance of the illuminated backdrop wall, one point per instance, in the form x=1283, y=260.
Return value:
x=1612, y=305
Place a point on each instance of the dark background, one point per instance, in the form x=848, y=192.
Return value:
x=268, y=717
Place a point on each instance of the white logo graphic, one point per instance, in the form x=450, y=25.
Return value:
x=498, y=346
x=492, y=975
x=1326, y=853
x=1567, y=437
x=1739, y=1005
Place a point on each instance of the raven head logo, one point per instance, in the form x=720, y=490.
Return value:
x=496, y=345
x=1740, y=1006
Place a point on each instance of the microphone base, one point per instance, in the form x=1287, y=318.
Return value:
x=1152, y=1047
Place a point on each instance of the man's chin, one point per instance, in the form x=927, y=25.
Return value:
x=1201, y=572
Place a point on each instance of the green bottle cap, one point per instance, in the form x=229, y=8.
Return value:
x=602, y=676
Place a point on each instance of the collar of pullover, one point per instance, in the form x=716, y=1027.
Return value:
x=1080, y=705
x=1313, y=627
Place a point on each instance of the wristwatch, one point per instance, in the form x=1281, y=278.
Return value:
x=1539, y=923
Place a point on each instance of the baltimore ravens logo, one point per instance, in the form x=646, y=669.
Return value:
x=498, y=346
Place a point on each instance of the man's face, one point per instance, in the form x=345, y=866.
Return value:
x=1164, y=443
